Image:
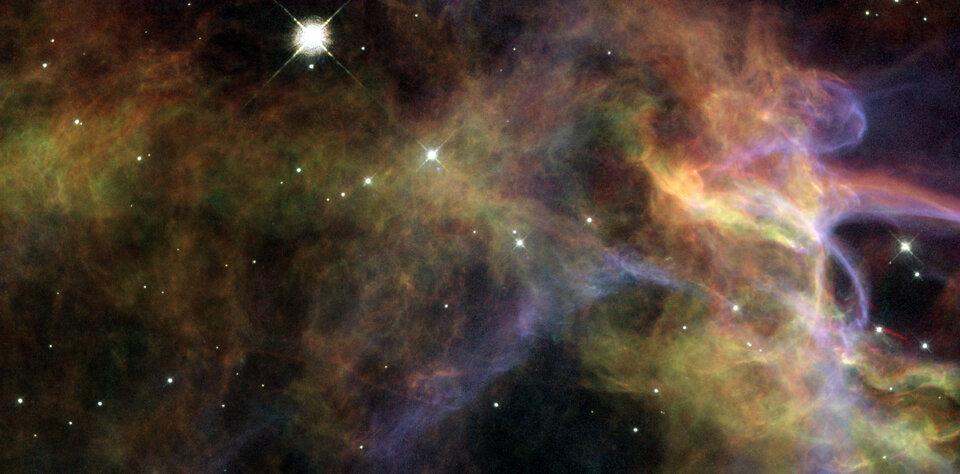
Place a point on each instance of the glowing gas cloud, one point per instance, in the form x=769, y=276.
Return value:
x=716, y=291
x=589, y=236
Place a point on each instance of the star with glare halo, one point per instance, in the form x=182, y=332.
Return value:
x=312, y=37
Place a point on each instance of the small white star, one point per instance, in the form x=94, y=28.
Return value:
x=656, y=390
x=433, y=155
x=20, y=401
x=905, y=247
x=589, y=220
x=519, y=243
x=635, y=429
x=368, y=181
x=139, y=158
x=298, y=170
x=879, y=329
x=44, y=65
x=99, y=404
x=916, y=274
x=925, y=346
x=169, y=380
x=496, y=405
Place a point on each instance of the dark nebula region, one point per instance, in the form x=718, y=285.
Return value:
x=480, y=236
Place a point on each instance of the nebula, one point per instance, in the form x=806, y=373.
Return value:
x=450, y=236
